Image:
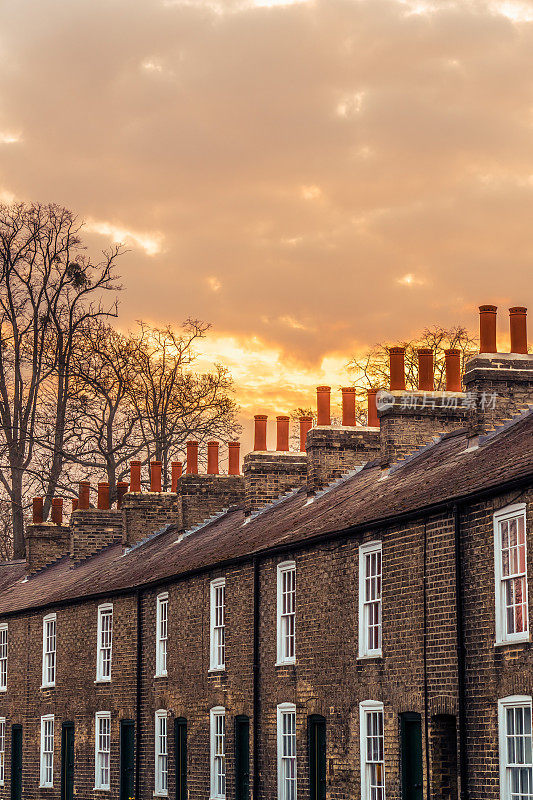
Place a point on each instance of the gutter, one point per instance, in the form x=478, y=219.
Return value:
x=285, y=547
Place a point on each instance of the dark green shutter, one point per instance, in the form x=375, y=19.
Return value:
x=67, y=761
x=316, y=731
x=411, y=753
x=127, y=759
x=180, y=752
x=16, y=762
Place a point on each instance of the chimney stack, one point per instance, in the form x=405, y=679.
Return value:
x=518, y=322
x=37, y=510
x=425, y=369
x=348, y=406
x=122, y=488
x=212, y=458
x=103, y=495
x=155, y=476
x=282, y=434
x=135, y=476
x=323, y=405
x=453, y=370
x=234, y=467
x=306, y=423
x=192, y=458
x=397, y=368
x=57, y=510
x=487, y=329
x=177, y=469
x=260, y=432
x=83, y=503
x=372, y=417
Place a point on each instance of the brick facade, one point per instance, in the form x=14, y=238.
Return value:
x=420, y=675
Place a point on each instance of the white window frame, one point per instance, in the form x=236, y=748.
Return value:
x=366, y=707
x=364, y=650
x=101, y=677
x=2, y=750
x=4, y=642
x=502, y=637
x=514, y=701
x=283, y=709
x=217, y=626
x=161, y=753
x=49, y=656
x=46, y=781
x=284, y=619
x=161, y=636
x=219, y=712
x=99, y=717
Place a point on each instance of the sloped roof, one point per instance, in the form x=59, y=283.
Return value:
x=444, y=471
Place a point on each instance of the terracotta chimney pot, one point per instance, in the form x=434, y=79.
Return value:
x=518, y=321
x=135, y=476
x=57, y=510
x=75, y=504
x=487, y=329
x=306, y=423
x=103, y=495
x=372, y=418
x=234, y=467
x=192, y=457
x=212, y=458
x=282, y=433
x=425, y=369
x=348, y=406
x=397, y=368
x=323, y=405
x=85, y=488
x=453, y=370
x=37, y=510
x=177, y=469
x=155, y=476
x=260, y=432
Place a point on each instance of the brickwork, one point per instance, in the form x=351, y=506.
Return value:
x=413, y=419
x=205, y=495
x=91, y=530
x=75, y=698
x=146, y=512
x=501, y=386
x=45, y=543
x=268, y=475
x=334, y=451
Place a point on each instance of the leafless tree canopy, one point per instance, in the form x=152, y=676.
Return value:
x=50, y=288
x=77, y=397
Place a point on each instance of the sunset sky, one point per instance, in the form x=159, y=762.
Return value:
x=311, y=177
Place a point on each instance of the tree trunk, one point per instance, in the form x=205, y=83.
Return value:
x=17, y=515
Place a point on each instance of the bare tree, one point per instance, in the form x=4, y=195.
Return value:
x=6, y=535
x=50, y=288
x=174, y=403
x=371, y=370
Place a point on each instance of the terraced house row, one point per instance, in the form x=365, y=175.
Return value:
x=350, y=620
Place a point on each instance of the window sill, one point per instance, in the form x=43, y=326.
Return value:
x=160, y=794
x=99, y=682
x=160, y=675
x=285, y=664
x=44, y=687
x=370, y=656
x=3, y=688
x=519, y=640
x=217, y=670
x=97, y=789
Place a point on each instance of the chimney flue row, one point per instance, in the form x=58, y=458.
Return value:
x=487, y=329
x=426, y=369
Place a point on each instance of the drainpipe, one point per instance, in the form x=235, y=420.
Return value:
x=255, y=730
x=426, y=699
x=460, y=654
x=138, y=686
